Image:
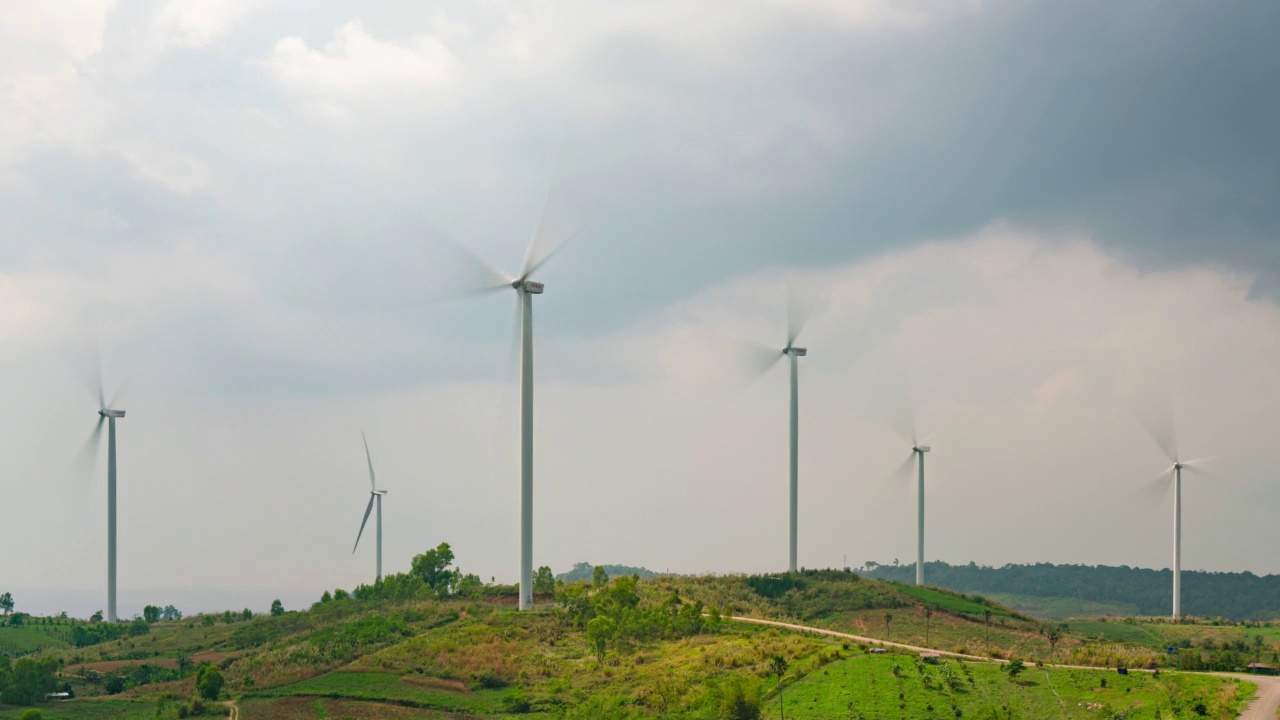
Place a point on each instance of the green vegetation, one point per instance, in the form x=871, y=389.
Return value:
x=866, y=686
x=585, y=571
x=430, y=644
x=1102, y=589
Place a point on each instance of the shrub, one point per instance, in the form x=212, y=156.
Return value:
x=31, y=714
x=515, y=702
x=210, y=682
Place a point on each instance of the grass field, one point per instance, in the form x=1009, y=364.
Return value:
x=20, y=639
x=95, y=709
x=866, y=687
x=1054, y=608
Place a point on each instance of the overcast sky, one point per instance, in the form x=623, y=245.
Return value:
x=1017, y=222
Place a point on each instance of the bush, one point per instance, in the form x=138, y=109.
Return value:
x=489, y=680
x=210, y=682
x=31, y=714
x=515, y=702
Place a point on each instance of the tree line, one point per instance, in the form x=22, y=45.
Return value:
x=1231, y=595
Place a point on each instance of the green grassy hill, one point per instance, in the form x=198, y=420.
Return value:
x=647, y=649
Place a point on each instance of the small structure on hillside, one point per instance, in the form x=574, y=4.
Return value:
x=878, y=650
x=1262, y=669
x=931, y=656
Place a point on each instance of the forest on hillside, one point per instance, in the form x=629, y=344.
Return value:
x=1237, y=596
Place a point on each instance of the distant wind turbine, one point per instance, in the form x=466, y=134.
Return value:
x=546, y=241
x=1167, y=440
x=107, y=414
x=375, y=495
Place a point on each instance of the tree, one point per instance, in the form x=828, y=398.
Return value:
x=779, y=667
x=544, y=583
x=277, y=608
x=599, y=631
x=1053, y=635
x=170, y=613
x=928, y=616
x=433, y=567
x=96, y=617
x=599, y=577
x=29, y=681
x=1257, y=648
x=246, y=614
x=986, y=615
x=888, y=618
x=326, y=597
x=468, y=586
x=151, y=613
x=6, y=603
x=210, y=682
x=1014, y=668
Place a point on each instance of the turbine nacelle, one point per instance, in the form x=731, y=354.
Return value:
x=797, y=351
x=921, y=449
x=377, y=492
x=108, y=413
x=528, y=286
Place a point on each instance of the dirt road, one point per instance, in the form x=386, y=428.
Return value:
x=1263, y=707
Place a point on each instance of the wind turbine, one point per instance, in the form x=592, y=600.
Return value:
x=918, y=449
x=109, y=415
x=1168, y=444
x=768, y=357
x=374, y=495
x=545, y=242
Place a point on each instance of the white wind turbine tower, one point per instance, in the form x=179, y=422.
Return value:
x=767, y=358
x=546, y=241
x=918, y=449
x=375, y=496
x=109, y=415
x=1168, y=444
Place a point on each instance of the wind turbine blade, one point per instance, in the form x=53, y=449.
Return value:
x=798, y=311
x=367, y=510
x=903, y=473
x=1197, y=469
x=471, y=274
x=1156, y=417
x=82, y=466
x=750, y=361
x=1157, y=490
x=373, y=483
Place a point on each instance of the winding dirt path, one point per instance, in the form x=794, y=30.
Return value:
x=1264, y=706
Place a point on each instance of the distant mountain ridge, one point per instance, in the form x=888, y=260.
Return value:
x=584, y=570
x=1237, y=596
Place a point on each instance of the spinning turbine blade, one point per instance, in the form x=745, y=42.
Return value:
x=798, y=312
x=1157, y=490
x=903, y=473
x=372, y=482
x=88, y=454
x=1156, y=417
x=753, y=360
x=367, y=510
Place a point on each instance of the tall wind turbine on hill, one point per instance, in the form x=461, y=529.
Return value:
x=768, y=357
x=546, y=241
x=1168, y=444
x=918, y=449
x=375, y=496
x=109, y=415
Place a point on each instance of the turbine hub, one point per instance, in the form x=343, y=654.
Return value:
x=109, y=413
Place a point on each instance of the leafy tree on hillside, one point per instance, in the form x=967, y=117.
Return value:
x=210, y=682
x=1015, y=667
x=6, y=603
x=96, y=617
x=1053, y=635
x=778, y=665
x=986, y=616
x=888, y=618
x=600, y=631
x=599, y=577
x=151, y=613
x=246, y=614
x=29, y=680
x=32, y=714
x=928, y=617
x=277, y=608
x=544, y=583
x=170, y=613
x=433, y=567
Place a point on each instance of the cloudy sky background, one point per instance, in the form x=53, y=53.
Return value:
x=1022, y=220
